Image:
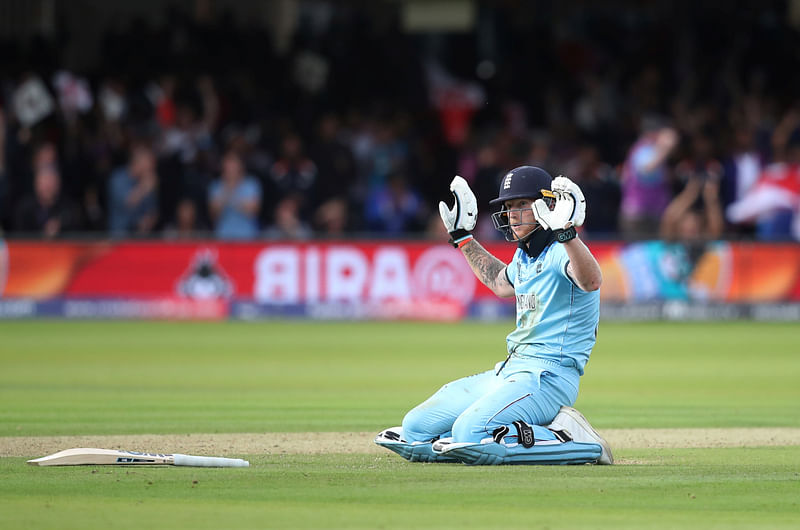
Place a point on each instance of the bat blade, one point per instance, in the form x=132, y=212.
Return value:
x=83, y=456
x=90, y=456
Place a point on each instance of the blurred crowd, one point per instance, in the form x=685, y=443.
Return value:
x=677, y=123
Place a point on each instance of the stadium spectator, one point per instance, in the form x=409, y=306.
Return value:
x=287, y=223
x=162, y=96
x=235, y=200
x=293, y=174
x=45, y=155
x=187, y=223
x=333, y=218
x=773, y=203
x=782, y=220
x=336, y=176
x=194, y=122
x=695, y=214
x=247, y=140
x=388, y=153
x=395, y=208
x=133, y=195
x=359, y=136
x=741, y=170
x=47, y=211
x=645, y=180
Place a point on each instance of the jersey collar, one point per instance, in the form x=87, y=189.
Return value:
x=537, y=242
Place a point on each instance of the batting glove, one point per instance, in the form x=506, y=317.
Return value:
x=461, y=218
x=569, y=210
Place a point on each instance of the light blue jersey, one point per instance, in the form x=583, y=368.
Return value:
x=556, y=319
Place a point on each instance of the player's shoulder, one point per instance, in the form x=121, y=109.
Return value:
x=555, y=251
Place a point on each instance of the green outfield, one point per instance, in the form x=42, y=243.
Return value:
x=126, y=378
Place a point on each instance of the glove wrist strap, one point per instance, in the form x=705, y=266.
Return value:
x=458, y=235
x=562, y=236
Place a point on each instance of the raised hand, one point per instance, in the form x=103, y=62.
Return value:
x=570, y=206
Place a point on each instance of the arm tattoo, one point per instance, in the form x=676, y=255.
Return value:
x=486, y=267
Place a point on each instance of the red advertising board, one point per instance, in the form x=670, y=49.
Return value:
x=376, y=271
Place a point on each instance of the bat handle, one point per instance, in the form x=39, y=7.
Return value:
x=209, y=461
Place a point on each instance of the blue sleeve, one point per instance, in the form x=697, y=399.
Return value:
x=561, y=260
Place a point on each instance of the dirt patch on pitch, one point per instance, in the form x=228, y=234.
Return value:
x=701, y=438
x=361, y=442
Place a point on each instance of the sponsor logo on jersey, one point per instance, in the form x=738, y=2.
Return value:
x=526, y=302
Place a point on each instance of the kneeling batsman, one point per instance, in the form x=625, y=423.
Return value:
x=519, y=412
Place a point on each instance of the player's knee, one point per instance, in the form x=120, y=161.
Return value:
x=428, y=420
x=416, y=426
x=468, y=428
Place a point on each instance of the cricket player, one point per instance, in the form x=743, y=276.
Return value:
x=520, y=411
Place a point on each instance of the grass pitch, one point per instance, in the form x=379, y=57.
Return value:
x=730, y=488
x=75, y=378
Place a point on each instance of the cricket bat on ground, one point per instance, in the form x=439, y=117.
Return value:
x=87, y=456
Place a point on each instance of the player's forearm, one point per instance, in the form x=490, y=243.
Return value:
x=583, y=267
x=487, y=268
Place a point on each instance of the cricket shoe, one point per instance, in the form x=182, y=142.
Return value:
x=392, y=439
x=580, y=430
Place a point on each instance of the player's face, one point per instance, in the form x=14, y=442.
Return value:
x=520, y=217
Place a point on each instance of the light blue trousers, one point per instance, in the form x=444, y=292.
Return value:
x=471, y=408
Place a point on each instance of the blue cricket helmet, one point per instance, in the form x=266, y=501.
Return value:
x=523, y=182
